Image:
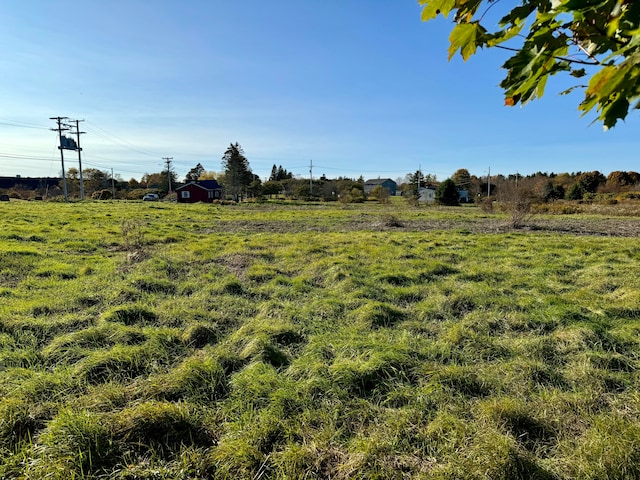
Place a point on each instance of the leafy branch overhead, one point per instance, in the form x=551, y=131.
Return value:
x=600, y=38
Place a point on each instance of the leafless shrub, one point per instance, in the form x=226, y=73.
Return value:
x=486, y=204
x=517, y=202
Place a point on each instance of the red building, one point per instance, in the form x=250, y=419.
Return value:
x=199, y=191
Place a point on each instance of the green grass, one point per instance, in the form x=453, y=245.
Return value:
x=314, y=341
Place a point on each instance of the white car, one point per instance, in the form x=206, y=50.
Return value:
x=151, y=197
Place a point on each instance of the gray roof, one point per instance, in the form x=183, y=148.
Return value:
x=378, y=181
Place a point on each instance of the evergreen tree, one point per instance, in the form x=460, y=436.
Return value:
x=279, y=173
x=552, y=192
x=237, y=172
x=575, y=192
x=447, y=193
x=274, y=174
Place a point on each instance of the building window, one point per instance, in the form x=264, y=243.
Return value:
x=185, y=194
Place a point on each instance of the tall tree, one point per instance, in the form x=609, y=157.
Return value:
x=618, y=179
x=238, y=175
x=194, y=173
x=447, y=193
x=552, y=192
x=417, y=179
x=279, y=173
x=462, y=178
x=590, y=181
x=549, y=37
x=274, y=173
x=159, y=181
x=95, y=179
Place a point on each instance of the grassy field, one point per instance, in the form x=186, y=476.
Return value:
x=163, y=341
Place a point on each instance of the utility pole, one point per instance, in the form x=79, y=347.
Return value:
x=78, y=133
x=113, y=187
x=310, y=178
x=60, y=129
x=167, y=160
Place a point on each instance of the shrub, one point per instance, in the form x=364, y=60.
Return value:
x=486, y=204
x=381, y=194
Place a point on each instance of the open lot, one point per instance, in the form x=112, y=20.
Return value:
x=163, y=341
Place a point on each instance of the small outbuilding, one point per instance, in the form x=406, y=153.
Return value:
x=199, y=191
x=427, y=194
x=387, y=183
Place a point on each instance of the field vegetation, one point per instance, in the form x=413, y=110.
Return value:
x=377, y=340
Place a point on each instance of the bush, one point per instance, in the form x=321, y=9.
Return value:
x=381, y=194
x=486, y=204
x=447, y=193
x=102, y=195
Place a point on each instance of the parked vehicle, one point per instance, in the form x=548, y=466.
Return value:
x=151, y=197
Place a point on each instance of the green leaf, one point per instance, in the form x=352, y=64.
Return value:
x=517, y=15
x=569, y=90
x=614, y=111
x=604, y=82
x=463, y=37
x=435, y=7
x=505, y=35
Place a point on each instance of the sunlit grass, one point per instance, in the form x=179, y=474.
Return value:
x=302, y=341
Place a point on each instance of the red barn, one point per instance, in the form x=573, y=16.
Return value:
x=199, y=191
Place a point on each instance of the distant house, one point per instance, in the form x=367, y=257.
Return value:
x=387, y=183
x=427, y=194
x=199, y=191
x=463, y=196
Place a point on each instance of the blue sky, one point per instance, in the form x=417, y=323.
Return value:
x=359, y=88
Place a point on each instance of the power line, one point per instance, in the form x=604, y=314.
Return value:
x=114, y=138
x=24, y=157
x=17, y=123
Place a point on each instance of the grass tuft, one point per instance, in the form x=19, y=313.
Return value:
x=131, y=315
x=379, y=315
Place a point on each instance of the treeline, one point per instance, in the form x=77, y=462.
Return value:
x=547, y=187
x=242, y=184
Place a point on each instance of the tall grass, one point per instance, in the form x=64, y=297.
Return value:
x=313, y=341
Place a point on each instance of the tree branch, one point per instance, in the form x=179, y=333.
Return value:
x=566, y=59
